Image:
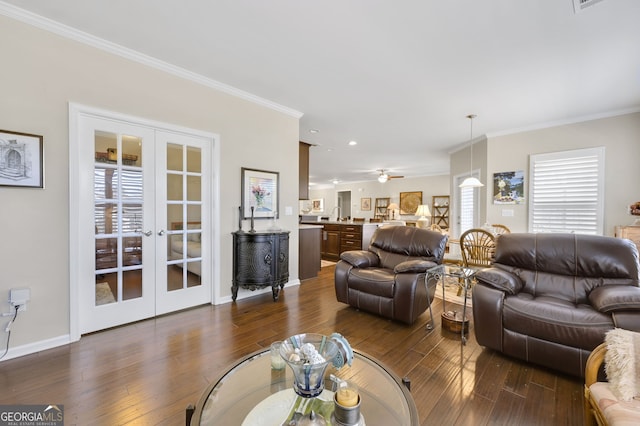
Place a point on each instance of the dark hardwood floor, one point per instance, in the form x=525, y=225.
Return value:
x=148, y=372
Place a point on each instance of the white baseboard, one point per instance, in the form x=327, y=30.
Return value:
x=40, y=346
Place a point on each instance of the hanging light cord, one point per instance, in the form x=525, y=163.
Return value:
x=471, y=117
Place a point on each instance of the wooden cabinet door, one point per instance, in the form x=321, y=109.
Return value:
x=331, y=244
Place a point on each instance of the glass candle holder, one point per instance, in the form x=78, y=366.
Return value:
x=277, y=363
x=308, y=373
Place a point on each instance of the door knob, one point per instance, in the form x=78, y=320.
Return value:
x=160, y=232
x=148, y=233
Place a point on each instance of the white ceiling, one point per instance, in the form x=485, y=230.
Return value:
x=398, y=77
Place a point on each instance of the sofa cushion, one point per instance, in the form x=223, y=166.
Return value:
x=359, y=258
x=617, y=412
x=502, y=280
x=609, y=298
x=375, y=281
x=414, y=266
x=555, y=320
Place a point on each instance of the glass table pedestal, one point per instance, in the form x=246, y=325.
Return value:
x=452, y=320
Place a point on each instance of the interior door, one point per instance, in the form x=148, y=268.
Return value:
x=119, y=219
x=144, y=222
x=182, y=195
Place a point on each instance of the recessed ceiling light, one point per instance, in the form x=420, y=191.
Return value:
x=335, y=181
x=352, y=143
x=314, y=131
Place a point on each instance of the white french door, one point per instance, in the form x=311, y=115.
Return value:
x=182, y=196
x=144, y=222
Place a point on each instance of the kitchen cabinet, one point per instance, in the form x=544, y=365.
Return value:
x=309, y=243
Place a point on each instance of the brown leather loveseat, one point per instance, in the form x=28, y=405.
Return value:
x=550, y=298
x=388, y=279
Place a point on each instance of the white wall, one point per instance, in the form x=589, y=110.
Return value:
x=40, y=74
x=429, y=185
x=619, y=135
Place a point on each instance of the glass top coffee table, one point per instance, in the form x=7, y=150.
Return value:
x=251, y=393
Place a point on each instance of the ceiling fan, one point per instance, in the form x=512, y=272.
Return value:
x=383, y=177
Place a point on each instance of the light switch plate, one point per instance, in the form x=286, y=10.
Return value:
x=507, y=212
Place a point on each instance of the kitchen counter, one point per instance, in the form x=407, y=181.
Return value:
x=309, y=246
x=341, y=236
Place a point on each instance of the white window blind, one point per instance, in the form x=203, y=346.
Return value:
x=466, y=208
x=566, y=191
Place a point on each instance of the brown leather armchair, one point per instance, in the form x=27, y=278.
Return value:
x=550, y=298
x=388, y=279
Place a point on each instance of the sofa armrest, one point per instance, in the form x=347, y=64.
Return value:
x=414, y=266
x=609, y=298
x=500, y=280
x=360, y=258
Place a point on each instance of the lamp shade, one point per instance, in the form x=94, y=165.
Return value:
x=383, y=177
x=470, y=182
x=392, y=208
x=423, y=211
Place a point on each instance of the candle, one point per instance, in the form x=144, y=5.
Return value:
x=347, y=397
x=277, y=363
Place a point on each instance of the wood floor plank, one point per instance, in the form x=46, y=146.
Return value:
x=148, y=372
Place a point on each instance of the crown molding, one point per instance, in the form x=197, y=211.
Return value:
x=565, y=122
x=68, y=32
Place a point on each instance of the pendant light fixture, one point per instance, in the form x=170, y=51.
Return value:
x=471, y=182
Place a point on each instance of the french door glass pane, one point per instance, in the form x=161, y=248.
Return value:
x=104, y=291
x=194, y=159
x=131, y=151
x=194, y=191
x=118, y=206
x=174, y=157
x=174, y=187
x=131, y=284
x=184, y=214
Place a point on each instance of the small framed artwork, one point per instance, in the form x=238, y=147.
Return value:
x=409, y=202
x=21, y=160
x=260, y=190
x=365, y=204
x=508, y=187
x=317, y=205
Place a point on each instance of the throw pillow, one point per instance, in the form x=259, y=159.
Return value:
x=622, y=363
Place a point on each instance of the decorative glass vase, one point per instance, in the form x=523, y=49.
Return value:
x=308, y=374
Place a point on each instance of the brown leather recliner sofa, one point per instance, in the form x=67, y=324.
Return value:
x=388, y=279
x=550, y=298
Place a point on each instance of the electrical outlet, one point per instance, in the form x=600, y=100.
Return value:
x=20, y=296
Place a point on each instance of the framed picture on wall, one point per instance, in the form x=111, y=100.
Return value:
x=508, y=187
x=317, y=205
x=21, y=161
x=260, y=190
x=365, y=204
x=409, y=202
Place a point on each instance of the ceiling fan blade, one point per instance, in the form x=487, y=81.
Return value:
x=396, y=177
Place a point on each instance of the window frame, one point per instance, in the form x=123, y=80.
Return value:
x=588, y=162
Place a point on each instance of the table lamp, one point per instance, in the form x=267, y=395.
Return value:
x=424, y=212
x=393, y=207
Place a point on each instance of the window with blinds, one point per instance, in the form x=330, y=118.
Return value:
x=566, y=191
x=467, y=204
